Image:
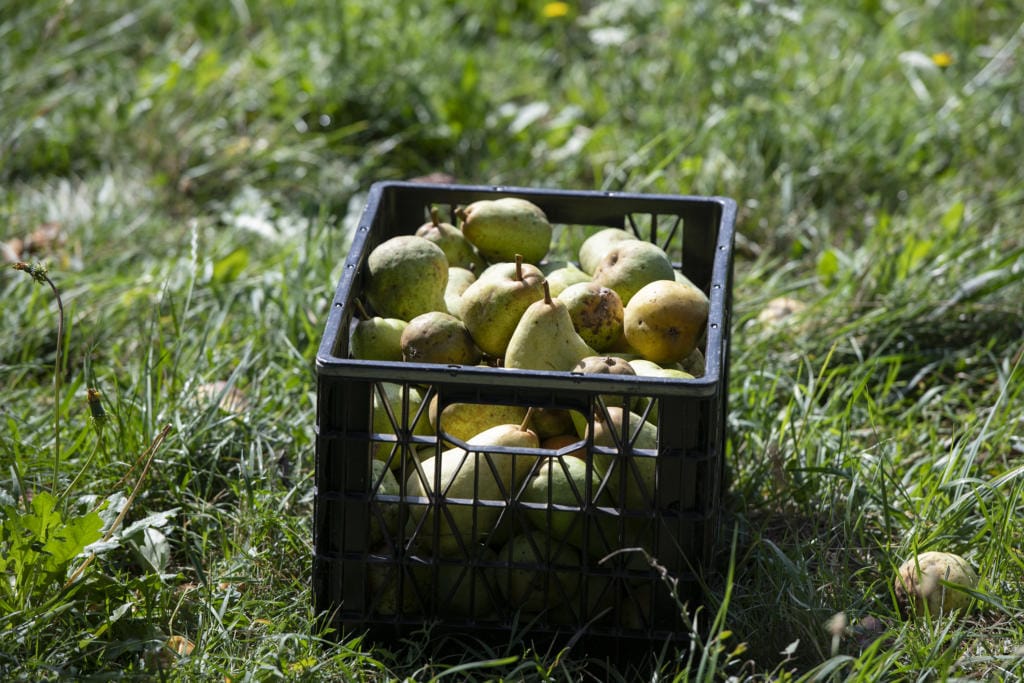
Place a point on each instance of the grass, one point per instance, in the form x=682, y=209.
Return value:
x=188, y=170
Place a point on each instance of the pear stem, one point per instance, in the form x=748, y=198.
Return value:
x=360, y=311
x=526, y=419
x=547, y=294
x=435, y=216
x=519, y=267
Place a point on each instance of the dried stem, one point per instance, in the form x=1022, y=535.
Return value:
x=37, y=272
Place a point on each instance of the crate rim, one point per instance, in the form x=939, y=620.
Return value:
x=328, y=364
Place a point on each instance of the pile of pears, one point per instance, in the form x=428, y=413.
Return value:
x=482, y=291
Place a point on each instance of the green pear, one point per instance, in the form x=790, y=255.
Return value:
x=544, y=338
x=384, y=516
x=596, y=313
x=631, y=484
x=376, y=338
x=391, y=408
x=560, y=278
x=492, y=306
x=463, y=478
x=549, y=422
x=501, y=228
x=538, y=573
x=645, y=368
x=593, y=248
x=458, y=250
x=630, y=264
x=664, y=321
x=438, y=337
x=464, y=420
x=680, y=277
x=388, y=592
x=389, y=418
x=463, y=588
x=406, y=276
x=694, y=362
x=560, y=486
x=459, y=279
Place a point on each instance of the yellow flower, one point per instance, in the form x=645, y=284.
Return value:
x=942, y=59
x=553, y=10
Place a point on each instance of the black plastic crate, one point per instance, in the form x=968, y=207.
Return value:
x=382, y=560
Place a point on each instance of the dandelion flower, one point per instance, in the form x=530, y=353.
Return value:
x=942, y=59
x=553, y=10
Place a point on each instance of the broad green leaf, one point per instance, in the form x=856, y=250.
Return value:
x=828, y=267
x=67, y=542
x=231, y=266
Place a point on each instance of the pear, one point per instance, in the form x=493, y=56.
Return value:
x=664, y=321
x=459, y=279
x=560, y=441
x=680, y=277
x=645, y=368
x=384, y=515
x=544, y=338
x=593, y=248
x=388, y=592
x=501, y=228
x=560, y=486
x=464, y=420
x=405, y=276
x=561, y=278
x=606, y=365
x=394, y=394
x=596, y=313
x=458, y=250
x=548, y=422
x=376, y=338
x=389, y=418
x=694, y=362
x=538, y=573
x=630, y=264
x=492, y=306
x=631, y=484
x=466, y=477
x=464, y=588
x=437, y=337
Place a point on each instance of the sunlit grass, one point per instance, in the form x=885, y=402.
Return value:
x=187, y=172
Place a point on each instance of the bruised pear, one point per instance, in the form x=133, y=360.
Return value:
x=594, y=247
x=665, y=320
x=501, y=228
x=596, y=313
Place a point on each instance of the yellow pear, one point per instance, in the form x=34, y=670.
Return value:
x=664, y=320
